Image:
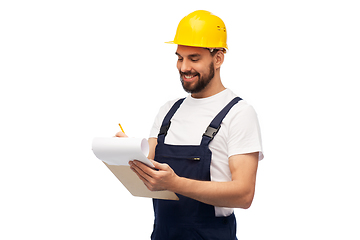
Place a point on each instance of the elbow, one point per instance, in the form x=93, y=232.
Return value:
x=247, y=205
x=245, y=201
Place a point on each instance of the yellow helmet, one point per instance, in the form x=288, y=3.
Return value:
x=201, y=29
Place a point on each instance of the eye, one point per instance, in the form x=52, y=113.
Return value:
x=180, y=59
x=194, y=59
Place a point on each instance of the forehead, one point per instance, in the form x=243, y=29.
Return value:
x=190, y=51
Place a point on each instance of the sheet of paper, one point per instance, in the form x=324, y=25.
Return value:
x=119, y=151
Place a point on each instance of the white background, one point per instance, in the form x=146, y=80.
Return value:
x=72, y=70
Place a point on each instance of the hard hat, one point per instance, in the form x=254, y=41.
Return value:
x=201, y=29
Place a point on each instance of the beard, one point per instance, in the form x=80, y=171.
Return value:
x=201, y=84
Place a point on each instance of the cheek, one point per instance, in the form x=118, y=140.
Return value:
x=202, y=71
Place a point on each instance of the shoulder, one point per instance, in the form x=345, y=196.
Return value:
x=164, y=109
x=242, y=116
x=242, y=109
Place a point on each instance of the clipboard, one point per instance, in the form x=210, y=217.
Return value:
x=115, y=153
x=135, y=186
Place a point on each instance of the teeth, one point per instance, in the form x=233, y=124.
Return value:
x=188, y=77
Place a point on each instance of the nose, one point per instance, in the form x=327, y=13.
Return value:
x=185, y=66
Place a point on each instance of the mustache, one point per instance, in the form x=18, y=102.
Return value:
x=189, y=73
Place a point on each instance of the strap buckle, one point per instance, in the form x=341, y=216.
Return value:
x=211, y=132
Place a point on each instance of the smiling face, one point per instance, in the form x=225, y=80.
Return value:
x=196, y=68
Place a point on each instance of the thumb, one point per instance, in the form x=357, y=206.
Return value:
x=160, y=166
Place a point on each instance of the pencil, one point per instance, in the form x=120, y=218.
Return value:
x=121, y=128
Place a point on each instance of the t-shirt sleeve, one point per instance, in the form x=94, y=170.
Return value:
x=155, y=129
x=244, y=133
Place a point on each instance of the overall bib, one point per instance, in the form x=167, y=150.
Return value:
x=188, y=219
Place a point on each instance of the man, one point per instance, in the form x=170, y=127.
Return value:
x=205, y=147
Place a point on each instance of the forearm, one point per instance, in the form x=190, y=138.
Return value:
x=152, y=145
x=221, y=194
x=237, y=193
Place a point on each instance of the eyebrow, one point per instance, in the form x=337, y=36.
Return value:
x=189, y=56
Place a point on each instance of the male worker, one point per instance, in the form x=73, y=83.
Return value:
x=205, y=147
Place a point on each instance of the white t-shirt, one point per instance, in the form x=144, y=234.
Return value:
x=239, y=132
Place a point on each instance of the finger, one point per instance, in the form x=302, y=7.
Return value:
x=143, y=176
x=144, y=180
x=144, y=168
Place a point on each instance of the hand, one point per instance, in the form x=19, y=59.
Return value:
x=120, y=134
x=155, y=180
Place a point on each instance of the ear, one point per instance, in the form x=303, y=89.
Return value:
x=219, y=59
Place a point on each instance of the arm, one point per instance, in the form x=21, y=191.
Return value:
x=237, y=193
x=152, y=146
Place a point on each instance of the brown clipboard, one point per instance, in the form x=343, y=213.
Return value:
x=135, y=186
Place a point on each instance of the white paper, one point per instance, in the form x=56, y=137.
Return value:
x=119, y=151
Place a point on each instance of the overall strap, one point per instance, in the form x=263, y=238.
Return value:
x=167, y=120
x=215, y=125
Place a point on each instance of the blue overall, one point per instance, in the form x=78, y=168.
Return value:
x=189, y=219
